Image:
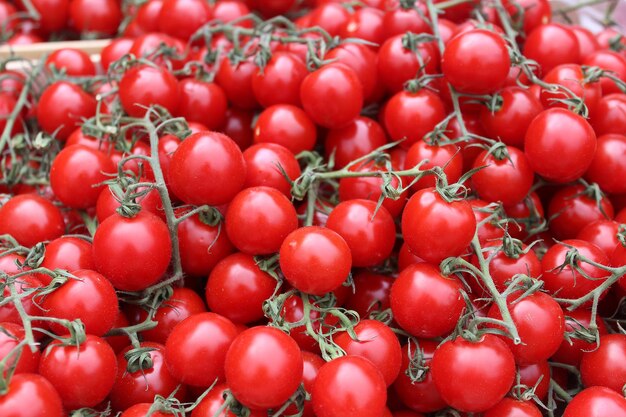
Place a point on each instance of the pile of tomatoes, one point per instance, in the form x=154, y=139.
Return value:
x=313, y=208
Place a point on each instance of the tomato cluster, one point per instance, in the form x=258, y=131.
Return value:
x=313, y=208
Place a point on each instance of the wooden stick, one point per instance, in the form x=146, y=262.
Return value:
x=38, y=50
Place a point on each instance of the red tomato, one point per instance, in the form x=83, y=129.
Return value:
x=53, y=14
x=608, y=61
x=377, y=343
x=398, y=21
x=116, y=49
x=265, y=164
x=315, y=260
x=30, y=219
x=182, y=18
x=369, y=231
x=263, y=367
x=143, y=86
x=202, y=102
x=31, y=395
x=329, y=16
x=560, y=132
x=286, y=125
x=511, y=407
x=447, y=157
x=238, y=127
x=602, y=233
x=279, y=81
x=608, y=166
x=107, y=203
x=483, y=51
x=93, y=363
x=535, y=12
x=473, y=376
x=610, y=115
x=237, y=289
x=147, y=16
x=118, y=343
x=229, y=10
x=604, y=366
x=236, y=80
x=365, y=23
x=426, y=303
x=133, y=253
x=147, y=46
x=356, y=139
x=371, y=293
x=566, y=282
x=435, y=229
x=512, y=117
x=571, y=352
x=137, y=385
x=265, y=210
x=143, y=410
x=8, y=312
x=572, y=77
x=362, y=59
x=293, y=312
x=350, y=386
x=28, y=361
x=61, y=108
x=411, y=116
x=530, y=376
x=596, y=402
x=587, y=42
x=207, y=155
x=96, y=16
x=211, y=403
x=530, y=209
x=332, y=96
x=75, y=62
x=541, y=46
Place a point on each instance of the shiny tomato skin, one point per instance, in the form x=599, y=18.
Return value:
x=133, y=253
x=570, y=210
x=75, y=172
x=181, y=18
x=398, y=21
x=483, y=51
x=550, y=45
x=412, y=115
x=62, y=106
x=286, y=125
x=473, y=376
x=8, y=312
x=447, y=157
x=354, y=140
x=349, y=386
x=263, y=167
x=53, y=14
x=265, y=210
x=96, y=16
x=560, y=132
x=202, y=102
x=237, y=288
x=603, y=234
x=211, y=403
x=572, y=77
x=427, y=218
x=10, y=335
x=365, y=23
x=236, y=81
x=608, y=61
x=596, y=402
x=377, y=343
x=93, y=363
x=370, y=232
x=207, y=155
x=572, y=353
x=107, y=204
x=362, y=59
x=143, y=86
x=75, y=62
x=530, y=375
x=540, y=323
x=132, y=388
x=604, y=366
x=315, y=260
x=329, y=16
x=204, y=338
x=30, y=219
x=371, y=293
x=608, y=164
x=610, y=115
x=142, y=410
x=69, y=253
x=90, y=298
x=114, y=51
x=536, y=12
x=263, y=367
x=279, y=81
x=426, y=303
x=510, y=407
x=510, y=122
x=332, y=96
x=35, y=391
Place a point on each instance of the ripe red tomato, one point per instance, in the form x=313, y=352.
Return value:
x=377, y=343
x=512, y=407
x=398, y=20
x=608, y=166
x=560, y=132
x=8, y=312
x=426, y=303
x=571, y=352
x=286, y=125
x=115, y=50
x=349, y=386
x=182, y=18
x=61, y=108
x=263, y=367
x=279, y=81
x=133, y=253
x=447, y=157
x=93, y=363
x=31, y=395
x=356, y=139
x=536, y=375
x=237, y=288
x=202, y=102
x=596, y=402
x=540, y=323
x=107, y=204
x=143, y=86
x=535, y=12
x=142, y=410
x=511, y=119
x=53, y=14
x=265, y=210
x=75, y=62
x=608, y=61
x=236, y=80
x=69, y=253
x=207, y=155
x=146, y=46
x=196, y=349
x=136, y=385
x=483, y=51
x=332, y=96
x=411, y=116
x=371, y=293
x=28, y=362
x=265, y=163
x=365, y=23
x=370, y=232
x=362, y=59
x=610, y=115
x=229, y=10
x=30, y=219
x=572, y=77
x=96, y=16
x=550, y=45
x=315, y=260
x=329, y=16
x=435, y=229
x=604, y=366
x=473, y=376
x=570, y=210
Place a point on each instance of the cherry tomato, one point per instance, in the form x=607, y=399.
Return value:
x=61, y=108
x=362, y=59
x=143, y=410
x=143, y=86
x=608, y=61
x=133, y=253
x=398, y=20
x=211, y=403
x=96, y=16
x=603, y=366
x=265, y=164
x=202, y=102
x=535, y=12
x=541, y=46
x=182, y=18
x=329, y=16
x=236, y=81
x=11, y=335
x=31, y=395
x=207, y=155
x=75, y=62
x=25, y=283
x=107, y=204
x=115, y=50
x=371, y=293
x=279, y=81
x=536, y=375
x=447, y=157
x=356, y=139
x=571, y=351
x=286, y=125
x=602, y=233
x=607, y=165
x=610, y=115
x=572, y=77
x=238, y=127
x=365, y=23
x=315, y=260
x=53, y=14
x=30, y=219
x=263, y=367
x=473, y=376
x=349, y=386
x=596, y=402
x=511, y=407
